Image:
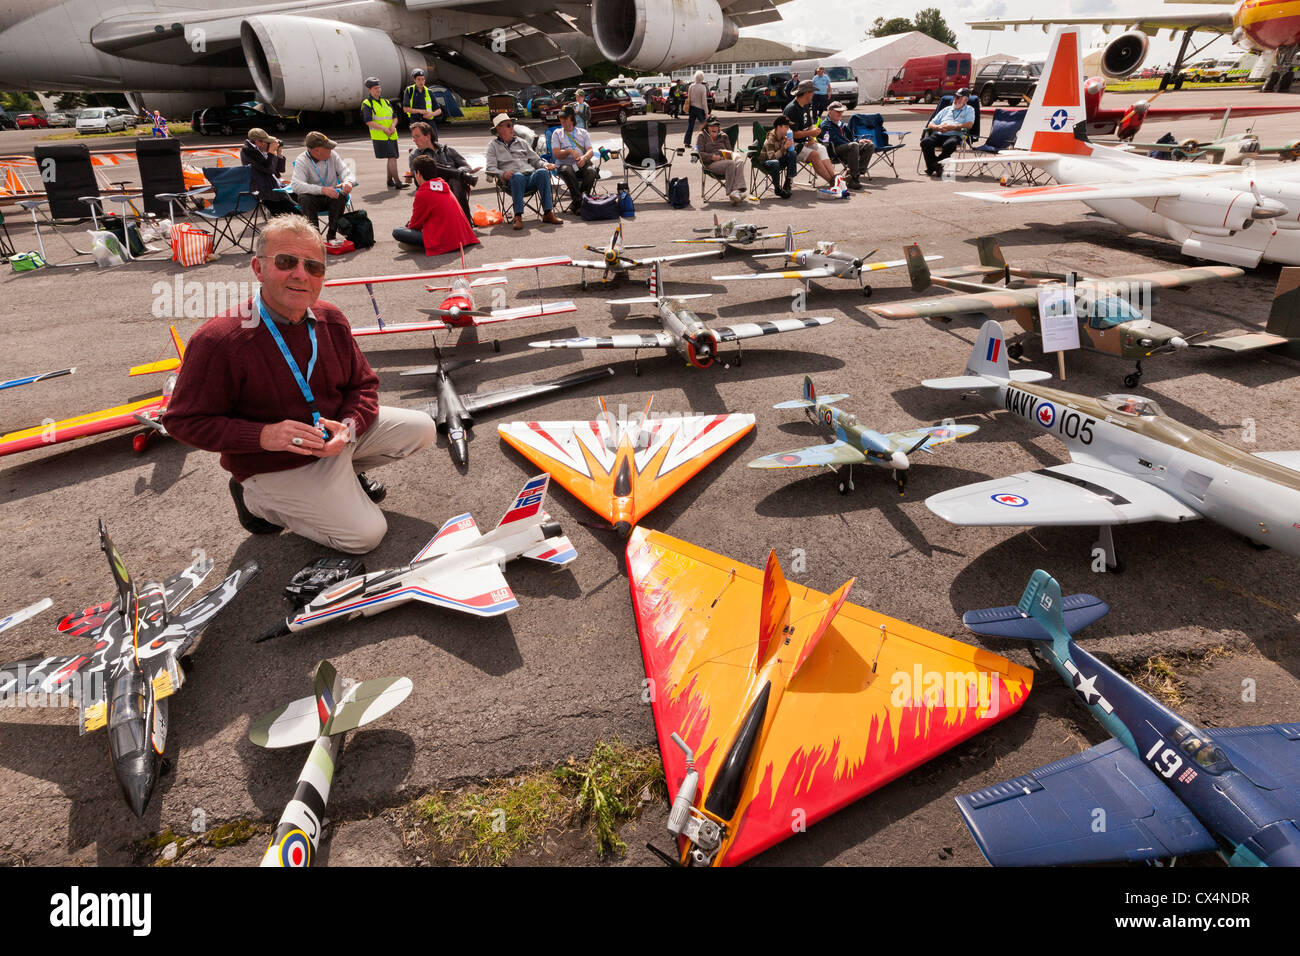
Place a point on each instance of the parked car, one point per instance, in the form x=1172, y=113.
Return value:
x=608, y=104
x=763, y=92
x=103, y=119
x=58, y=119
x=930, y=77
x=32, y=121
x=7, y=121
x=228, y=120
x=1006, y=81
x=1214, y=71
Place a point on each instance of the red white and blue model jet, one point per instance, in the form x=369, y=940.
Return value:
x=1161, y=787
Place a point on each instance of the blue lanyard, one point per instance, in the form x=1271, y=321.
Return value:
x=289, y=359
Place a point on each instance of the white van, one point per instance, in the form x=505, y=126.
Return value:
x=844, y=84
x=724, y=92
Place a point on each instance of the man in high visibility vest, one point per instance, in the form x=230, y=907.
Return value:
x=418, y=101
x=377, y=113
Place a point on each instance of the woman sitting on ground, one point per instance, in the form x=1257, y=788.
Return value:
x=437, y=222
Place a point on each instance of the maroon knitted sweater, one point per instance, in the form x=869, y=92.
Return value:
x=234, y=381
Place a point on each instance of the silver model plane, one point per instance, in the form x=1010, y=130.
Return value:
x=615, y=265
x=733, y=232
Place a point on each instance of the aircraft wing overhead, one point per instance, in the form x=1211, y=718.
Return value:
x=1082, y=192
x=846, y=723
x=1072, y=494
x=93, y=423
x=1212, y=22
x=752, y=330
x=1049, y=816
x=579, y=457
x=995, y=298
x=1168, y=278
x=631, y=340
x=836, y=453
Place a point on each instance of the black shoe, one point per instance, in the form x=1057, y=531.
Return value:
x=249, y=521
x=373, y=489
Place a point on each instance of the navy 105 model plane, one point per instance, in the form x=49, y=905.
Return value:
x=1163, y=787
x=454, y=412
x=683, y=331
x=822, y=262
x=137, y=663
x=856, y=444
x=733, y=232
x=1130, y=462
x=614, y=265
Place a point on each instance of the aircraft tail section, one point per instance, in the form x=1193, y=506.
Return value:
x=789, y=240
x=655, y=289
x=327, y=688
x=1284, y=318
x=810, y=398
x=774, y=612
x=1042, y=602
x=1058, y=106
x=991, y=253
x=917, y=268
x=126, y=594
x=528, y=503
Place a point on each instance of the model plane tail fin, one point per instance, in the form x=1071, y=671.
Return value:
x=163, y=365
x=1042, y=602
x=327, y=689
x=126, y=594
x=830, y=608
x=1055, y=120
x=991, y=252
x=528, y=503
x=1284, y=318
x=367, y=701
x=789, y=240
x=917, y=268
x=655, y=289
x=774, y=614
x=641, y=428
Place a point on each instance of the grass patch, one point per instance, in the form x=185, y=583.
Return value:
x=489, y=823
x=234, y=833
x=175, y=129
x=1143, y=86
x=473, y=114
x=1158, y=676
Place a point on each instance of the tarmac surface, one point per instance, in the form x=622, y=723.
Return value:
x=564, y=670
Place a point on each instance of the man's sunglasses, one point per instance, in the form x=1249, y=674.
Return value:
x=287, y=263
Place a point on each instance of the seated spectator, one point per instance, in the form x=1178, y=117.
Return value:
x=716, y=153
x=521, y=170
x=436, y=219
x=452, y=166
x=777, y=154
x=855, y=154
x=944, y=133
x=799, y=111
x=573, y=152
x=321, y=181
x=265, y=155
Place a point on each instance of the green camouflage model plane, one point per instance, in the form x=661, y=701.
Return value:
x=1281, y=335
x=856, y=444
x=1109, y=321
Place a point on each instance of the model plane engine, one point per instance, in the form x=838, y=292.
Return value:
x=300, y=63
x=1216, y=211
x=1124, y=54
x=659, y=35
x=701, y=345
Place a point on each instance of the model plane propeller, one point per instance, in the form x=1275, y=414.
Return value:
x=1130, y=462
x=460, y=568
x=1164, y=786
x=776, y=704
x=683, y=331
x=321, y=720
x=140, y=642
x=623, y=468
x=856, y=444
x=615, y=265
x=733, y=232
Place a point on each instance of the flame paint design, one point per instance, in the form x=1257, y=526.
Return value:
x=840, y=730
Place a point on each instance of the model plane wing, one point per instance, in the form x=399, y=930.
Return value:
x=751, y=330
x=1082, y=192
x=1049, y=816
x=644, y=340
x=454, y=273
x=850, y=719
x=797, y=274
x=482, y=401
x=934, y=435
x=92, y=423
x=1269, y=756
x=973, y=302
x=1071, y=494
x=47, y=675
x=1243, y=342
x=16, y=618
x=481, y=591
x=526, y=312
x=184, y=628
x=836, y=453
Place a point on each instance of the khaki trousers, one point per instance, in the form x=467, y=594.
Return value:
x=323, y=501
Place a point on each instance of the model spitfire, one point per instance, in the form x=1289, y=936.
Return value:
x=615, y=265
x=1281, y=334
x=855, y=444
x=733, y=232
x=622, y=469
x=1110, y=321
x=1130, y=462
x=460, y=568
x=454, y=412
x=683, y=331
x=1166, y=787
x=140, y=643
x=795, y=703
x=320, y=720
x=822, y=262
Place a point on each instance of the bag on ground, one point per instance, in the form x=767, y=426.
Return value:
x=596, y=208
x=356, y=225
x=679, y=192
x=191, y=246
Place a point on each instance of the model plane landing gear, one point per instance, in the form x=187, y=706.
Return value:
x=900, y=478
x=1105, y=548
x=1131, y=380
x=846, y=480
x=636, y=367
x=866, y=291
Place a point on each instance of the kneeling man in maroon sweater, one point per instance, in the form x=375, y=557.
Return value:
x=280, y=389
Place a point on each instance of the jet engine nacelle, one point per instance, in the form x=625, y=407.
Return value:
x=299, y=63
x=1262, y=512
x=1124, y=54
x=1216, y=211
x=658, y=35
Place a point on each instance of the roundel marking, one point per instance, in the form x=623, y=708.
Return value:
x=1059, y=119
x=295, y=849
x=1046, y=414
x=1010, y=500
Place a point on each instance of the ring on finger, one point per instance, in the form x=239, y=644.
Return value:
x=297, y=440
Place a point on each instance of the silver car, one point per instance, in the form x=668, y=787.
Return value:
x=102, y=119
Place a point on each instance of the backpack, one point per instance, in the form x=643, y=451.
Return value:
x=625, y=207
x=596, y=208
x=126, y=233
x=679, y=192
x=356, y=225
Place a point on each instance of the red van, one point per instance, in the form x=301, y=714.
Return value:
x=930, y=77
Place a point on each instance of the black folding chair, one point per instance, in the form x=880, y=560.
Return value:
x=646, y=154
x=234, y=203
x=6, y=240
x=713, y=183
x=72, y=191
x=162, y=177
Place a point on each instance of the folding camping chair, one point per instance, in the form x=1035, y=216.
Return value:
x=968, y=139
x=645, y=154
x=872, y=126
x=1002, y=136
x=760, y=177
x=162, y=177
x=234, y=202
x=6, y=240
x=713, y=183
x=71, y=190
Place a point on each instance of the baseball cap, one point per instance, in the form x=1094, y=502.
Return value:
x=499, y=119
x=837, y=105
x=964, y=91
x=372, y=81
x=417, y=72
x=258, y=135
x=315, y=139
x=713, y=121
x=805, y=86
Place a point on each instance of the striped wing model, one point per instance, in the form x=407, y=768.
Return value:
x=775, y=703
x=623, y=469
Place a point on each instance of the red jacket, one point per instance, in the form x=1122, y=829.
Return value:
x=438, y=216
x=234, y=381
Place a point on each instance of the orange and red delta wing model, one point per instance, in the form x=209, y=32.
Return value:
x=776, y=705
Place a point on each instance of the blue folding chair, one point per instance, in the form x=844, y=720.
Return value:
x=234, y=202
x=968, y=139
x=872, y=126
